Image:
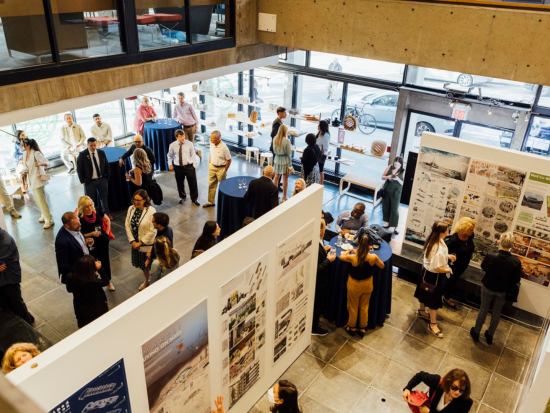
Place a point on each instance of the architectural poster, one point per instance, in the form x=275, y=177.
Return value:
x=532, y=230
x=176, y=364
x=490, y=198
x=108, y=392
x=243, y=321
x=437, y=191
x=292, y=285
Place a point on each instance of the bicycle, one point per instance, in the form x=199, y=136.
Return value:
x=365, y=122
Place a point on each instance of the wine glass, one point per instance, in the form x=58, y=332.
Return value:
x=97, y=228
x=89, y=243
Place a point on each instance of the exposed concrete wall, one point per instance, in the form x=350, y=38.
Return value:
x=501, y=43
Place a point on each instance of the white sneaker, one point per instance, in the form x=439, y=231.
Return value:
x=15, y=214
x=41, y=219
x=48, y=225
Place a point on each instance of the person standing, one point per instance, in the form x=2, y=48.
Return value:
x=161, y=222
x=185, y=115
x=219, y=162
x=181, y=159
x=360, y=284
x=207, y=240
x=10, y=278
x=323, y=142
x=279, y=120
x=35, y=163
x=86, y=282
x=324, y=259
x=310, y=161
x=70, y=245
x=18, y=160
x=393, y=175
x=281, y=164
x=142, y=176
x=91, y=226
x=502, y=271
x=102, y=132
x=167, y=259
x=74, y=140
x=93, y=172
x=461, y=244
x=7, y=200
x=138, y=144
x=144, y=113
x=141, y=232
x=429, y=289
x=332, y=86
x=262, y=194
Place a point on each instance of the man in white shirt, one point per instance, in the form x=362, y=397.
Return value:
x=102, y=132
x=185, y=115
x=74, y=140
x=219, y=161
x=181, y=159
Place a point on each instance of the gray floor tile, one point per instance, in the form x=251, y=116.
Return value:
x=501, y=393
x=404, y=291
x=26, y=271
x=402, y=315
x=486, y=409
x=326, y=347
x=375, y=401
x=309, y=405
x=479, y=377
x=261, y=406
x=480, y=353
x=456, y=317
x=36, y=286
x=359, y=361
x=393, y=377
x=512, y=365
x=52, y=304
x=49, y=333
x=419, y=330
x=336, y=389
x=65, y=324
x=418, y=354
x=303, y=371
x=383, y=339
x=501, y=334
x=522, y=340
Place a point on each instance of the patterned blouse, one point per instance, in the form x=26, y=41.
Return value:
x=134, y=223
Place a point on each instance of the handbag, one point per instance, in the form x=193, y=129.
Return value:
x=426, y=286
x=45, y=176
x=419, y=398
x=381, y=193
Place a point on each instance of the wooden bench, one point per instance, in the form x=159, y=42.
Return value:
x=359, y=180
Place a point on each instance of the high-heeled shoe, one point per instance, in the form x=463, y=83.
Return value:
x=350, y=330
x=361, y=332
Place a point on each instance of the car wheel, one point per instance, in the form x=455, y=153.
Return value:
x=422, y=127
x=465, y=80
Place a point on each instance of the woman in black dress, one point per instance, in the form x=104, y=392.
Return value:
x=207, y=240
x=86, y=282
x=92, y=227
x=310, y=161
x=461, y=245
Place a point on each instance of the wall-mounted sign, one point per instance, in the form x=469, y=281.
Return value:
x=460, y=111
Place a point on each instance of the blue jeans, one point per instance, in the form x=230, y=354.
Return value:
x=489, y=297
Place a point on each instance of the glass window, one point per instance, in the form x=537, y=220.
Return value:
x=160, y=26
x=130, y=106
x=7, y=148
x=486, y=135
x=544, y=99
x=47, y=132
x=85, y=29
x=210, y=22
x=357, y=66
x=490, y=87
x=109, y=113
x=297, y=57
x=420, y=123
x=20, y=46
x=538, y=140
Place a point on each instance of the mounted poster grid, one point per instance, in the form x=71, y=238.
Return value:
x=204, y=330
x=502, y=190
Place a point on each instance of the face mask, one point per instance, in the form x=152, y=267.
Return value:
x=271, y=396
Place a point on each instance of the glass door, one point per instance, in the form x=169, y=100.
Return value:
x=487, y=135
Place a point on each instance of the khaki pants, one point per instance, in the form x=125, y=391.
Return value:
x=359, y=293
x=40, y=198
x=190, y=133
x=4, y=195
x=215, y=175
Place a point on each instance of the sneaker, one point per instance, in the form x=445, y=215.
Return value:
x=488, y=337
x=41, y=220
x=474, y=335
x=15, y=214
x=319, y=331
x=49, y=225
x=71, y=171
x=196, y=203
x=208, y=205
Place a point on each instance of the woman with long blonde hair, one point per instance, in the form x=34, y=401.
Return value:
x=17, y=355
x=167, y=258
x=282, y=162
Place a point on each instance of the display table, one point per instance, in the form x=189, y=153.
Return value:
x=158, y=136
x=119, y=191
x=232, y=208
x=335, y=309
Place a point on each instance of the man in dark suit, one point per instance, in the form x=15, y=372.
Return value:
x=138, y=143
x=70, y=245
x=262, y=193
x=281, y=114
x=323, y=271
x=93, y=171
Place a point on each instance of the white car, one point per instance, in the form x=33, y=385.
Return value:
x=463, y=79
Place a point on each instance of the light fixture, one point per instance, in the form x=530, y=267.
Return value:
x=527, y=115
x=489, y=112
x=452, y=103
x=515, y=116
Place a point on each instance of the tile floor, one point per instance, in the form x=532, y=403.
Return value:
x=336, y=373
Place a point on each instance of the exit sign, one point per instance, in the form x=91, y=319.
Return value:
x=460, y=111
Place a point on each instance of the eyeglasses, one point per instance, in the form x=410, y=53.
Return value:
x=458, y=389
x=138, y=141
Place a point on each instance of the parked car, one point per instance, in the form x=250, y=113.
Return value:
x=463, y=79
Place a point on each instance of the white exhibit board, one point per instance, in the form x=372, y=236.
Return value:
x=502, y=190
x=161, y=323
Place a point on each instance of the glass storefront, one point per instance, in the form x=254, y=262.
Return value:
x=418, y=123
x=109, y=112
x=486, y=135
x=47, y=133
x=538, y=139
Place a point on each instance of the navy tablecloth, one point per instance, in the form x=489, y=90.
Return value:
x=158, y=136
x=335, y=309
x=119, y=190
x=232, y=208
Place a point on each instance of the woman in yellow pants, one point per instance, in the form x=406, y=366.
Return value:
x=360, y=284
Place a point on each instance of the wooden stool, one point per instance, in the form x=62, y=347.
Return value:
x=266, y=156
x=251, y=150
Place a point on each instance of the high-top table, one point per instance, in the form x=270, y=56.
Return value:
x=232, y=208
x=118, y=191
x=158, y=136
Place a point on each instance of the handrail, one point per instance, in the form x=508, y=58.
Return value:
x=492, y=3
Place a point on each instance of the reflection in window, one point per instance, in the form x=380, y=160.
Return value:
x=486, y=135
x=544, y=99
x=109, y=113
x=420, y=123
x=23, y=35
x=160, y=26
x=7, y=148
x=538, y=141
x=297, y=57
x=210, y=22
x=47, y=132
x=356, y=66
x=85, y=31
x=490, y=87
